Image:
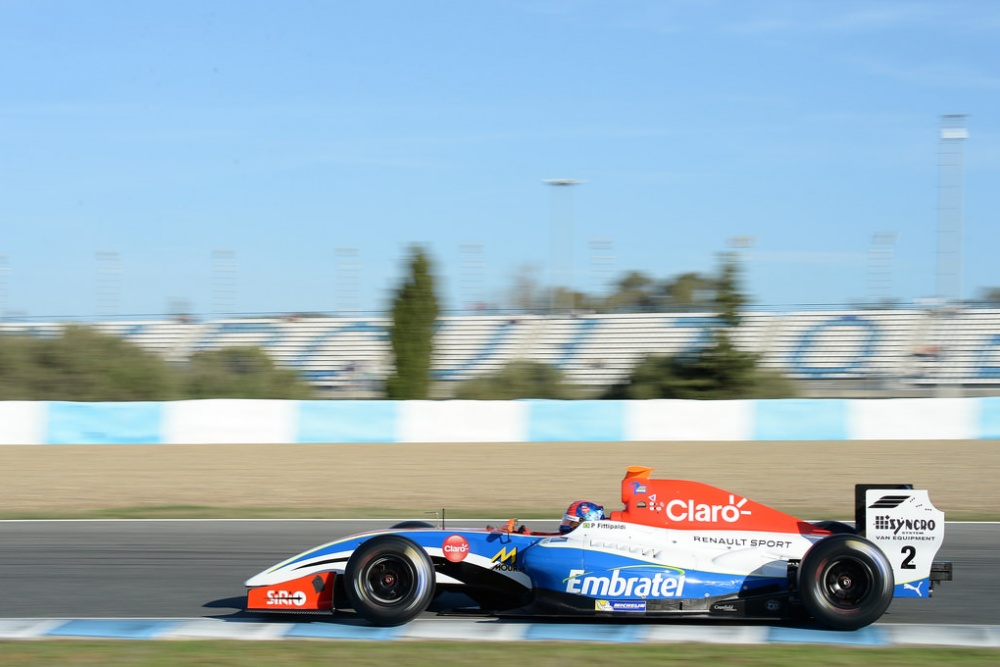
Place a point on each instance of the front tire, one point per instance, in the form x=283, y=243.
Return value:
x=389, y=580
x=410, y=525
x=845, y=582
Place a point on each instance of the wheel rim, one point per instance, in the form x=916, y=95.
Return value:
x=388, y=580
x=846, y=582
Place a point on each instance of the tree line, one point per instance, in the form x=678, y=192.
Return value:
x=716, y=370
x=85, y=365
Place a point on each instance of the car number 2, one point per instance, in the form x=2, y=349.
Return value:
x=910, y=553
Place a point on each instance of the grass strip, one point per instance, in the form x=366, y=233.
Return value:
x=434, y=654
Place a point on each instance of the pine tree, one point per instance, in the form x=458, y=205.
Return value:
x=414, y=312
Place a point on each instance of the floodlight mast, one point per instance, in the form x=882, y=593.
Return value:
x=563, y=245
x=950, y=196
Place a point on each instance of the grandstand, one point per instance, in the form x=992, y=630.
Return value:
x=830, y=353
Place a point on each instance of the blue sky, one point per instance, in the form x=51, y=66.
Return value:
x=277, y=134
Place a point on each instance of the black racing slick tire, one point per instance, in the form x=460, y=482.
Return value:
x=836, y=527
x=389, y=580
x=403, y=525
x=845, y=582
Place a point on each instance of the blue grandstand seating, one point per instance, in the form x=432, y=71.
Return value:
x=914, y=347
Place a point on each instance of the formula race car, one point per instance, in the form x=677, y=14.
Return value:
x=677, y=548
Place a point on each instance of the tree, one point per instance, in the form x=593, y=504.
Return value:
x=690, y=289
x=518, y=379
x=414, y=312
x=728, y=298
x=719, y=370
x=85, y=365
x=989, y=294
x=241, y=372
x=634, y=291
x=81, y=365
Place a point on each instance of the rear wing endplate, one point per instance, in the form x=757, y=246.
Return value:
x=907, y=527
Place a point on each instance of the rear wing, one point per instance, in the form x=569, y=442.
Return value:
x=904, y=523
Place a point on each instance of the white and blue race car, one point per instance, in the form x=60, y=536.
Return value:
x=677, y=548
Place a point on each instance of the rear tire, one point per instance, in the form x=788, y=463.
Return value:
x=836, y=527
x=389, y=580
x=845, y=582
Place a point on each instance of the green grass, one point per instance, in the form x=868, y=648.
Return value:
x=435, y=654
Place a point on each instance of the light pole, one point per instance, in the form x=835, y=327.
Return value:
x=4, y=274
x=880, y=257
x=109, y=274
x=473, y=266
x=949, y=271
x=348, y=279
x=224, y=269
x=561, y=241
x=602, y=263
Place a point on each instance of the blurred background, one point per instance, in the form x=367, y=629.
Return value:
x=540, y=199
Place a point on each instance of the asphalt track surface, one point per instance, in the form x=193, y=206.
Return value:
x=195, y=569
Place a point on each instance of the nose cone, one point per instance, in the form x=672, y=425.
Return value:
x=259, y=579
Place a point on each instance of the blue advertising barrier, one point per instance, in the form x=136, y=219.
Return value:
x=358, y=421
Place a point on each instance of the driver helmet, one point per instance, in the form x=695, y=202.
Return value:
x=580, y=510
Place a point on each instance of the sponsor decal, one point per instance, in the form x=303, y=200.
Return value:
x=772, y=605
x=309, y=592
x=743, y=542
x=606, y=525
x=620, y=605
x=506, y=561
x=904, y=517
x=912, y=526
x=667, y=584
x=690, y=510
x=888, y=502
x=455, y=548
x=638, y=487
x=286, y=598
x=909, y=530
x=725, y=607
